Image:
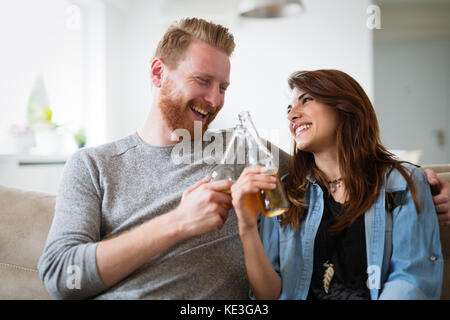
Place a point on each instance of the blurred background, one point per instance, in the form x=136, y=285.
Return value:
x=75, y=73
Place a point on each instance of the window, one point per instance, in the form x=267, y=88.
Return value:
x=59, y=44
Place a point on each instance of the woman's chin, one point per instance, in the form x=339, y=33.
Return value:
x=302, y=144
x=304, y=148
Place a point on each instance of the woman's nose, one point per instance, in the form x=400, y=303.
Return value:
x=294, y=114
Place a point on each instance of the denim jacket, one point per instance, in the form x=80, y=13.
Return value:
x=404, y=256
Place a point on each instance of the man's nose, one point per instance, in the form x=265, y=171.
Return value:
x=214, y=97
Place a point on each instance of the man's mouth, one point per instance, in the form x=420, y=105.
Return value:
x=199, y=112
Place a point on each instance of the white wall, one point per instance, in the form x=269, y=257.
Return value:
x=413, y=96
x=35, y=40
x=412, y=79
x=329, y=34
x=47, y=37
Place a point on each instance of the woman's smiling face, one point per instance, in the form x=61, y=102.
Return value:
x=313, y=124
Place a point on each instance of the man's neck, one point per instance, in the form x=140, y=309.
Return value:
x=155, y=131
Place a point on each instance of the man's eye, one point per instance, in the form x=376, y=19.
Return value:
x=203, y=81
x=306, y=99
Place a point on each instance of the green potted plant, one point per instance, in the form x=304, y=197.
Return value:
x=80, y=138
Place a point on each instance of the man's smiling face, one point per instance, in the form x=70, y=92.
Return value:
x=195, y=89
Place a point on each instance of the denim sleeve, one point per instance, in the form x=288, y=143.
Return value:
x=269, y=233
x=416, y=266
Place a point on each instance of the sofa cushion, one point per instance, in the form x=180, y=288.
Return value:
x=18, y=283
x=25, y=219
x=442, y=170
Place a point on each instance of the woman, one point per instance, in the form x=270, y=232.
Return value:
x=362, y=225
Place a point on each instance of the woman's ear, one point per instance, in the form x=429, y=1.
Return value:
x=156, y=72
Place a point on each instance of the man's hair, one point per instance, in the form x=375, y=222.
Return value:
x=178, y=37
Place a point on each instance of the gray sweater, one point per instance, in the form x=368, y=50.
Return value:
x=112, y=188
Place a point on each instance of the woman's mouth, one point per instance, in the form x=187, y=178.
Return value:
x=302, y=128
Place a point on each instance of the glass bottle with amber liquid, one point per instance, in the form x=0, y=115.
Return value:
x=233, y=159
x=270, y=203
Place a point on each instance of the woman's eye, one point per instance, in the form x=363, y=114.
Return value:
x=306, y=99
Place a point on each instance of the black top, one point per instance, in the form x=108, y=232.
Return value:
x=346, y=251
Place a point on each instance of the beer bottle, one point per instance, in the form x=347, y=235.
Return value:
x=228, y=167
x=270, y=202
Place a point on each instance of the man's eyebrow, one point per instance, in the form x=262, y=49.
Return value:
x=200, y=74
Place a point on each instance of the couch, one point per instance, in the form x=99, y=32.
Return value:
x=25, y=218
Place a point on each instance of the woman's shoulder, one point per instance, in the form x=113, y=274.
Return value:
x=395, y=180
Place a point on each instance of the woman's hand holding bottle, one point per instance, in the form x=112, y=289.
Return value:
x=245, y=193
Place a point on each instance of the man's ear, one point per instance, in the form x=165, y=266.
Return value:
x=156, y=72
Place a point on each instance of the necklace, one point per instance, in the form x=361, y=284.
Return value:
x=334, y=184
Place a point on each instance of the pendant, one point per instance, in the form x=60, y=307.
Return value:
x=332, y=188
x=334, y=184
x=327, y=276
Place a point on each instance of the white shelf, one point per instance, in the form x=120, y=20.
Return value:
x=32, y=171
x=32, y=158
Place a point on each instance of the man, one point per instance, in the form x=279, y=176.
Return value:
x=119, y=220
x=129, y=222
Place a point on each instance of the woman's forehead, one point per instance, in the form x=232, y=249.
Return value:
x=296, y=93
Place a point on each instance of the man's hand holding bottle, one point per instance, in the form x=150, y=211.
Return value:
x=203, y=207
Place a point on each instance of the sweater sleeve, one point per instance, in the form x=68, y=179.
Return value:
x=67, y=266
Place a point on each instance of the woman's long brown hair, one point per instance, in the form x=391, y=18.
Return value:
x=363, y=160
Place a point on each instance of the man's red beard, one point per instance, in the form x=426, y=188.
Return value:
x=175, y=110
